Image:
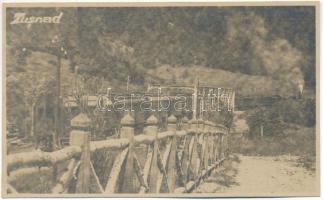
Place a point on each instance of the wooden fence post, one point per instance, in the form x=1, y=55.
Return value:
x=185, y=124
x=151, y=165
x=217, y=148
x=185, y=159
x=171, y=167
x=226, y=146
x=194, y=155
x=200, y=144
x=206, y=145
x=212, y=143
x=81, y=136
x=172, y=123
x=130, y=183
x=221, y=145
x=151, y=126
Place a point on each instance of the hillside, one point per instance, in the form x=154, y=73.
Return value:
x=117, y=42
x=245, y=85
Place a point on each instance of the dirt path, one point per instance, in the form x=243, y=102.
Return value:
x=260, y=176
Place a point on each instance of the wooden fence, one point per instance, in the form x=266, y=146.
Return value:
x=174, y=161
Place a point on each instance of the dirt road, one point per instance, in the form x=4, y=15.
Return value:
x=261, y=176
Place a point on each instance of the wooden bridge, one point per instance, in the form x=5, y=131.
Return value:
x=173, y=161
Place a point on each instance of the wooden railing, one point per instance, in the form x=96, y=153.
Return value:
x=174, y=161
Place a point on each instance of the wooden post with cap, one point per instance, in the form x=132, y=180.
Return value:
x=130, y=182
x=171, y=165
x=151, y=129
x=81, y=136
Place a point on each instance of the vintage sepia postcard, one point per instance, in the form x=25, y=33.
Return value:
x=161, y=99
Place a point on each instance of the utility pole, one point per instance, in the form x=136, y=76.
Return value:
x=58, y=104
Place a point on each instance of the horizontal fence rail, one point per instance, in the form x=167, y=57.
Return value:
x=172, y=161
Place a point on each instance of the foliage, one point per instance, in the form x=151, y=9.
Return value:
x=116, y=43
x=26, y=88
x=109, y=43
x=299, y=112
x=246, y=40
x=274, y=119
x=295, y=140
x=289, y=128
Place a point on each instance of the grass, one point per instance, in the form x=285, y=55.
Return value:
x=294, y=140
